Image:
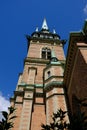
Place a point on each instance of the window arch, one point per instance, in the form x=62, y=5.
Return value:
x=46, y=53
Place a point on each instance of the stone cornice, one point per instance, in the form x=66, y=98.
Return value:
x=37, y=40
x=16, y=102
x=31, y=85
x=25, y=85
x=55, y=94
x=35, y=60
x=39, y=103
x=29, y=89
x=18, y=93
x=53, y=84
x=50, y=65
x=51, y=77
x=27, y=99
x=44, y=40
x=38, y=94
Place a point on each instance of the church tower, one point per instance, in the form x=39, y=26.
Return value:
x=40, y=89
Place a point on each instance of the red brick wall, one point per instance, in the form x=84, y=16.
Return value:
x=35, y=50
x=38, y=117
x=18, y=112
x=78, y=82
x=55, y=99
x=35, y=76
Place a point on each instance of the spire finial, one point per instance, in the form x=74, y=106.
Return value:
x=44, y=25
x=36, y=29
x=54, y=32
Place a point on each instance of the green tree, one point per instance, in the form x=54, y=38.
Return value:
x=78, y=121
x=6, y=122
x=58, y=121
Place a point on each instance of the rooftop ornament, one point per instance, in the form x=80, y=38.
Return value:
x=44, y=25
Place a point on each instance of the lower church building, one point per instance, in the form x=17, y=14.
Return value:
x=50, y=81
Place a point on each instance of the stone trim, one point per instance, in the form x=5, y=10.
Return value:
x=37, y=94
x=49, y=65
x=39, y=60
x=25, y=85
x=39, y=103
x=38, y=85
x=45, y=40
x=35, y=60
x=52, y=77
x=28, y=89
x=53, y=84
x=18, y=93
x=18, y=102
x=31, y=85
x=27, y=99
x=55, y=94
x=32, y=68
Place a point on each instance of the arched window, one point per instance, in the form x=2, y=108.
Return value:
x=46, y=53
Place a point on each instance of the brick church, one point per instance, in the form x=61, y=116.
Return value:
x=50, y=81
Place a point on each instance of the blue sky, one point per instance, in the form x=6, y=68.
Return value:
x=21, y=17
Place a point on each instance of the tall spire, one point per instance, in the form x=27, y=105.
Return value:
x=44, y=25
x=36, y=29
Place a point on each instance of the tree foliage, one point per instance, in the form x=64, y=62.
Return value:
x=6, y=122
x=78, y=120
x=58, y=121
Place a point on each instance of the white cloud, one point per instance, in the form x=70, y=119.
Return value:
x=85, y=9
x=4, y=104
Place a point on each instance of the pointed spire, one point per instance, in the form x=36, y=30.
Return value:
x=36, y=29
x=44, y=25
x=54, y=32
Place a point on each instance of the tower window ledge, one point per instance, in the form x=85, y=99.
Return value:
x=54, y=83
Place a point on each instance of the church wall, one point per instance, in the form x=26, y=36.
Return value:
x=55, y=99
x=34, y=102
x=78, y=82
x=18, y=114
x=38, y=117
x=35, y=50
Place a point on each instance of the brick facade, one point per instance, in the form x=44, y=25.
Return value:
x=37, y=94
x=43, y=86
x=76, y=68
